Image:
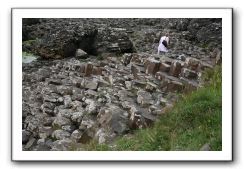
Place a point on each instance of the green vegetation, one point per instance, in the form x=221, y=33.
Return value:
x=193, y=121
x=100, y=57
x=205, y=45
x=28, y=57
x=29, y=42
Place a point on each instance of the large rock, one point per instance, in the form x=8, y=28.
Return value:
x=175, y=68
x=61, y=121
x=164, y=67
x=25, y=136
x=217, y=55
x=88, y=69
x=90, y=84
x=114, y=118
x=76, y=135
x=144, y=98
x=81, y=54
x=45, y=131
x=62, y=145
x=97, y=71
x=30, y=143
x=63, y=40
x=170, y=83
x=77, y=116
x=64, y=90
x=126, y=58
x=48, y=108
x=60, y=134
x=190, y=74
x=114, y=40
x=140, y=117
x=101, y=136
x=64, y=112
x=59, y=38
x=67, y=101
x=192, y=63
x=136, y=69
x=91, y=107
x=51, y=97
x=151, y=66
x=175, y=86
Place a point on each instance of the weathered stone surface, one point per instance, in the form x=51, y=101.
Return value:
x=45, y=132
x=62, y=145
x=137, y=58
x=128, y=84
x=25, y=136
x=151, y=86
x=189, y=85
x=54, y=81
x=135, y=69
x=151, y=66
x=113, y=117
x=88, y=69
x=32, y=122
x=160, y=75
x=126, y=58
x=67, y=101
x=60, y=134
x=175, y=86
x=69, y=128
x=140, y=117
x=192, y=63
x=205, y=65
x=48, y=107
x=97, y=71
x=101, y=136
x=217, y=54
x=91, y=107
x=30, y=143
x=77, y=116
x=86, y=124
x=64, y=90
x=61, y=121
x=52, y=97
x=164, y=67
x=175, y=68
x=76, y=135
x=64, y=112
x=144, y=98
x=93, y=84
x=190, y=74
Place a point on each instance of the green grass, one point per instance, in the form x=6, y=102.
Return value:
x=193, y=121
x=28, y=57
x=29, y=42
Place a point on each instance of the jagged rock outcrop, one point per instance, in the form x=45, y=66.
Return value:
x=59, y=38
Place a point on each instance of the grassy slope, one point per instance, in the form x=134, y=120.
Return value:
x=193, y=121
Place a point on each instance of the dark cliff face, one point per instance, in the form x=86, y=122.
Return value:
x=59, y=38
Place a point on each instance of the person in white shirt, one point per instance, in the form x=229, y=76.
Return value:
x=163, y=44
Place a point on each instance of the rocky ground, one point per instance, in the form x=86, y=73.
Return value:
x=101, y=78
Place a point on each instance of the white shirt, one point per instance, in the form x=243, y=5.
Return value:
x=161, y=47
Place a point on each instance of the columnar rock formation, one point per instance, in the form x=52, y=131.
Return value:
x=69, y=101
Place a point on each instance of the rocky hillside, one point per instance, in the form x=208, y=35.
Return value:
x=97, y=79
